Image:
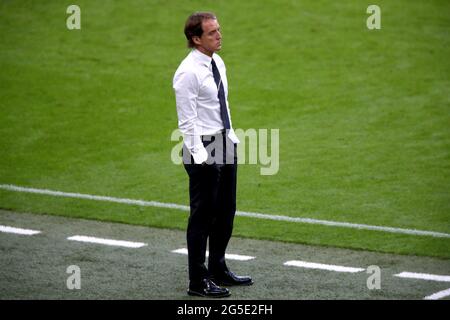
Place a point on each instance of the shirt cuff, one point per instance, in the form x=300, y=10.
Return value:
x=199, y=154
x=232, y=136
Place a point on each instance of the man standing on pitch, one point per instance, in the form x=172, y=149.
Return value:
x=209, y=156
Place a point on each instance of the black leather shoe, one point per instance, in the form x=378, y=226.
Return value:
x=207, y=288
x=228, y=278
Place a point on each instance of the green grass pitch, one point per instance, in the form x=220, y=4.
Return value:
x=363, y=114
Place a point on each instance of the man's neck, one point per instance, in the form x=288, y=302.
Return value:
x=204, y=51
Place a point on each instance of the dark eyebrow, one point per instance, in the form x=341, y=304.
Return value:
x=212, y=31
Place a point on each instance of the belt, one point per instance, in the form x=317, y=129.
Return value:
x=221, y=132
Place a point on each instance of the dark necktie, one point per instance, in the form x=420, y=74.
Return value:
x=221, y=96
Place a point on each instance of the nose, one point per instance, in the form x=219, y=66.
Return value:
x=219, y=35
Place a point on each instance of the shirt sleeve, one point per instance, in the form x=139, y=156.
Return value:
x=186, y=86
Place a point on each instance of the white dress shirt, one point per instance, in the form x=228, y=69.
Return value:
x=197, y=101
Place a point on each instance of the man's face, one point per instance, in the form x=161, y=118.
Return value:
x=210, y=41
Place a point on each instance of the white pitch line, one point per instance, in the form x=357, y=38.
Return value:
x=330, y=223
x=320, y=266
x=423, y=276
x=94, y=197
x=238, y=257
x=109, y=242
x=26, y=232
x=255, y=215
x=438, y=295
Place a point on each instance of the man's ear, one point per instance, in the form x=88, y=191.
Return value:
x=196, y=40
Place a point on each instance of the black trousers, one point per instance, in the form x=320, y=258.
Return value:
x=212, y=192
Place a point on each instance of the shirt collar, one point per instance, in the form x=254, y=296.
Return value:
x=201, y=57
